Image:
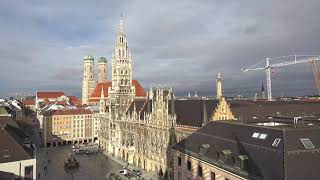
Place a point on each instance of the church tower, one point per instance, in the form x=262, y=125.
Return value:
x=102, y=70
x=219, y=85
x=88, y=82
x=122, y=91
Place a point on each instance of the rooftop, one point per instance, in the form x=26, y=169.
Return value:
x=247, y=110
x=12, y=145
x=68, y=112
x=49, y=94
x=267, y=152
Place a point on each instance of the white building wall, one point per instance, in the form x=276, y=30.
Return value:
x=14, y=167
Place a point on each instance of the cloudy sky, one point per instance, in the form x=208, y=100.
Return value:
x=179, y=43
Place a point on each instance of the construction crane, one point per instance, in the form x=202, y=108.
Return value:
x=316, y=75
x=310, y=58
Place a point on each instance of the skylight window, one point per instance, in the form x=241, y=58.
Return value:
x=307, y=143
x=276, y=142
x=263, y=136
x=255, y=135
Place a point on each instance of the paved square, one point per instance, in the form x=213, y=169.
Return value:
x=91, y=165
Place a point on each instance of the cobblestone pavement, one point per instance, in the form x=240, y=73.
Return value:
x=145, y=174
x=92, y=166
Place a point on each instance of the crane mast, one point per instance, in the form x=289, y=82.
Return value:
x=316, y=75
x=269, y=66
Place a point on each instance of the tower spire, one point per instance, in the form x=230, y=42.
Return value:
x=121, y=27
x=219, y=85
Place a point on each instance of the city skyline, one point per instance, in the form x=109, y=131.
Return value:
x=171, y=45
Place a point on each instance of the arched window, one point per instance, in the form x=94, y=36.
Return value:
x=123, y=53
x=119, y=52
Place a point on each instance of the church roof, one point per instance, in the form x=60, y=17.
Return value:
x=97, y=91
x=102, y=59
x=140, y=92
x=49, y=94
x=139, y=89
x=88, y=57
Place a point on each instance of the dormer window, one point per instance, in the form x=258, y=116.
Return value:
x=307, y=143
x=276, y=142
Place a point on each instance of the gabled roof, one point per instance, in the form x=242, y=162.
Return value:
x=97, y=91
x=11, y=139
x=74, y=100
x=49, y=94
x=191, y=112
x=29, y=102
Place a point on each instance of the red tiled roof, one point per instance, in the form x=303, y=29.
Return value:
x=97, y=91
x=49, y=94
x=139, y=89
x=29, y=102
x=69, y=112
x=46, y=100
x=94, y=100
x=74, y=100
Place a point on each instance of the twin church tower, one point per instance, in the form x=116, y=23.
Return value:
x=121, y=89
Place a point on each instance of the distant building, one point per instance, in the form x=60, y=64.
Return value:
x=66, y=126
x=17, y=152
x=48, y=101
x=29, y=103
x=248, y=110
x=278, y=149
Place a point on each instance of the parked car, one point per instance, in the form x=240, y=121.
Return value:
x=137, y=172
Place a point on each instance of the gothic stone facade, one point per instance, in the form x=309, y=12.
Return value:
x=136, y=126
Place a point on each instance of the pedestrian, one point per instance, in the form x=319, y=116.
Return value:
x=38, y=175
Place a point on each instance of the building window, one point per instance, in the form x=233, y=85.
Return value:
x=307, y=143
x=199, y=170
x=179, y=161
x=179, y=176
x=28, y=171
x=276, y=142
x=189, y=165
x=213, y=176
